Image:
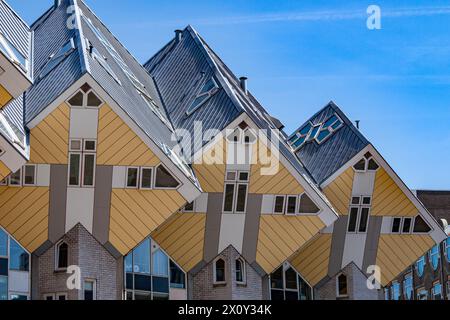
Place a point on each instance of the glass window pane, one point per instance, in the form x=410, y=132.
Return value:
x=19, y=258
x=407, y=225
x=15, y=178
x=364, y=219
x=160, y=297
x=342, y=285
x=3, y=288
x=141, y=258
x=93, y=100
x=146, y=180
x=323, y=135
x=239, y=271
x=77, y=100
x=241, y=200
x=30, y=172
x=292, y=205
x=277, y=295
x=74, y=173
x=160, y=284
x=4, y=267
x=307, y=205
x=229, y=196
x=276, y=279
x=160, y=264
x=361, y=165
x=220, y=270
x=89, y=290
x=142, y=296
x=89, y=145
x=3, y=243
x=177, y=277
x=291, y=279
x=279, y=205
x=164, y=179
x=373, y=166
x=75, y=145
x=353, y=219
x=396, y=225
x=132, y=177
x=63, y=256
x=142, y=282
x=129, y=263
x=89, y=166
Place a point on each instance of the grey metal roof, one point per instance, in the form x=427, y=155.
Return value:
x=323, y=160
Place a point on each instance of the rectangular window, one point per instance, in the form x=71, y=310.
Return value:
x=291, y=207
x=363, y=220
x=407, y=222
x=3, y=243
x=89, y=170
x=49, y=297
x=279, y=205
x=74, y=169
x=61, y=296
x=189, y=207
x=229, y=197
x=353, y=219
x=422, y=294
x=15, y=179
x=241, y=200
x=408, y=287
x=396, y=223
x=29, y=175
x=75, y=145
x=437, y=291
x=89, y=290
x=132, y=177
x=235, y=194
x=146, y=178
x=395, y=291
x=359, y=214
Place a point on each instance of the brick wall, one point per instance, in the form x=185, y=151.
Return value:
x=95, y=263
x=202, y=285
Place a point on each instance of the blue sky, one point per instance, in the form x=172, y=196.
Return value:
x=299, y=55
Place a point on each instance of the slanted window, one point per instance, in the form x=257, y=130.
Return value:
x=177, y=277
x=436, y=291
x=219, y=271
x=132, y=177
x=420, y=226
x=104, y=63
x=307, y=206
x=236, y=190
x=434, y=257
x=420, y=266
x=155, y=109
x=287, y=284
x=359, y=214
x=408, y=287
x=15, y=179
x=90, y=290
x=366, y=164
x=29, y=175
x=342, y=286
x=164, y=179
x=85, y=99
x=328, y=128
x=56, y=58
x=291, y=205
x=160, y=263
x=240, y=271
x=19, y=258
x=12, y=53
x=82, y=162
x=62, y=256
x=395, y=291
x=209, y=89
x=146, y=178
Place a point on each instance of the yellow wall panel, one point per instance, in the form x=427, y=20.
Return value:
x=49, y=140
x=281, y=236
x=339, y=192
x=4, y=171
x=397, y=252
x=5, y=97
x=24, y=214
x=182, y=237
x=312, y=260
x=389, y=199
x=211, y=172
x=136, y=213
x=118, y=145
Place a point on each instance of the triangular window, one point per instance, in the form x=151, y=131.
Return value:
x=307, y=205
x=164, y=179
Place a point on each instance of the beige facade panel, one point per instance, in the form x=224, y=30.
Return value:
x=4, y=171
x=5, y=97
x=182, y=237
x=281, y=236
x=339, y=192
x=49, y=141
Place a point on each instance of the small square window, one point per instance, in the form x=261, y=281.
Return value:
x=396, y=225
x=243, y=176
x=189, y=207
x=29, y=175
x=146, y=178
x=132, y=177
x=367, y=200
x=231, y=176
x=356, y=200
x=89, y=145
x=75, y=145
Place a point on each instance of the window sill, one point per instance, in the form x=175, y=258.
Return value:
x=241, y=284
x=60, y=270
x=219, y=284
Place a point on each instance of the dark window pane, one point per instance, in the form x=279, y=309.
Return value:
x=93, y=100
x=18, y=297
x=220, y=270
x=407, y=225
x=342, y=285
x=164, y=179
x=142, y=282
x=89, y=145
x=49, y=298
x=138, y=296
x=420, y=226
x=74, y=173
x=239, y=273
x=356, y=200
x=3, y=243
x=161, y=284
x=361, y=165
x=276, y=279
x=62, y=298
x=291, y=279
x=352, y=219
x=367, y=200
x=364, y=219
x=292, y=205
x=77, y=100
x=241, y=198
x=243, y=176
x=15, y=178
x=132, y=177
x=3, y=267
x=19, y=258
x=129, y=263
x=160, y=297
x=129, y=296
x=129, y=281
x=146, y=181
x=291, y=295
x=279, y=205
x=396, y=225
x=277, y=295
x=3, y=288
x=29, y=175
x=89, y=165
x=307, y=205
x=177, y=277
x=304, y=290
x=63, y=256
x=373, y=166
x=229, y=196
x=189, y=207
x=89, y=289
x=141, y=258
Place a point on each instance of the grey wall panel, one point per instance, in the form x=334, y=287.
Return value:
x=337, y=245
x=58, y=198
x=251, y=229
x=102, y=203
x=213, y=220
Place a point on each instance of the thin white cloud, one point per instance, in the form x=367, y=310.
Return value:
x=324, y=16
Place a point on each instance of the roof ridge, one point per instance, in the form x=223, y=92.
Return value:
x=171, y=42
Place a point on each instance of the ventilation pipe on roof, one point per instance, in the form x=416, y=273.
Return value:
x=357, y=122
x=244, y=84
x=178, y=35
x=57, y=3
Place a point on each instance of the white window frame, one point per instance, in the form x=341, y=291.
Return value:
x=399, y=226
x=243, y=271
x=79, y=171
x=34, y=177
x=338, y=295
x=141, y=172
x=447, y=249
x=275, y=203
x=189, y=211
x=433, y=293
x=49, y=295
x=297, y=205
x=421, y=291
x=410, y=226
x=20, y=180
x=93, y=172
x=408, y=276
x=61, y=294
x=155, y=169
x=360, y=207
x=57, y=268
x=85, y=103
x=137, y=177
x=94, y=286
x=430, y=256
x=224, y=271
x=236, y=183
x=82, y=152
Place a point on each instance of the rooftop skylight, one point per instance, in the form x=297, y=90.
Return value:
x=319, y=132
x=56, y=58
x=12, y=53
x=207, y=91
